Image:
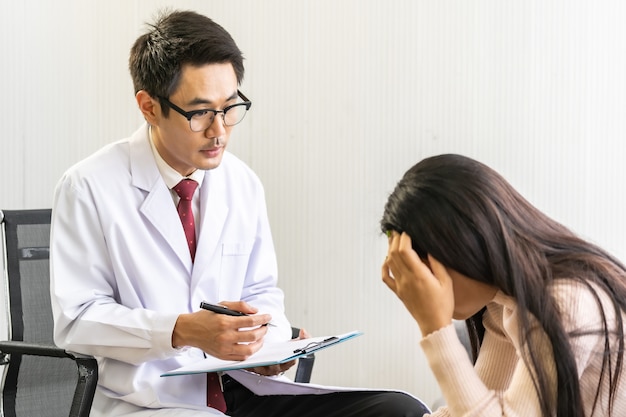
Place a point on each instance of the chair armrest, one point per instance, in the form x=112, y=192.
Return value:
x=87, y=368
x=305, y=368
x=305, y=363
x=37, y=349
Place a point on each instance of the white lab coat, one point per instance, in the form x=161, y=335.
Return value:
x=121, y=271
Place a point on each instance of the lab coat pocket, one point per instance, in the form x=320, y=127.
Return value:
x=234, y=265
x=237, y=249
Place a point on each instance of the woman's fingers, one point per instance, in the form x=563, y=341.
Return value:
x=440, y=272
x=387, y=278
x=403, y=261
x=424, y=286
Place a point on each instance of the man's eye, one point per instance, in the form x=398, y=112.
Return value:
x=201, y=113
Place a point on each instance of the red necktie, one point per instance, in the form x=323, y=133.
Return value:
x=214, y=395
x=185, y=190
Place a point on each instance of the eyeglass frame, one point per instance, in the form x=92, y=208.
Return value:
x=189, y=114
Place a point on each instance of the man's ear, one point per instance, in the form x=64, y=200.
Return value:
x=149, y=107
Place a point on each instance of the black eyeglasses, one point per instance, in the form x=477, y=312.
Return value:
x=201, y=120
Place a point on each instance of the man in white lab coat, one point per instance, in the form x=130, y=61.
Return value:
x=127, y=278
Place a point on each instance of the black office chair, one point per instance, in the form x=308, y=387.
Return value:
x=42, y=379
x=305, y=363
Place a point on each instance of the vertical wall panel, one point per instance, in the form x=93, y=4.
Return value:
x=12, y=149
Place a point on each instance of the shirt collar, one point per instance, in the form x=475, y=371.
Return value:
x=169, y=174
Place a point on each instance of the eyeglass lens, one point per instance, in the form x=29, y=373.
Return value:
x=231, y=116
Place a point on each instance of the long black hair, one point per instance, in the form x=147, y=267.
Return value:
x=472, y=220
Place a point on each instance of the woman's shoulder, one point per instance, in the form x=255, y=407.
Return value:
x=574, y=293
x=582, y=304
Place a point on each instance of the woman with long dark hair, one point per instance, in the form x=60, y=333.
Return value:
x=544, y=308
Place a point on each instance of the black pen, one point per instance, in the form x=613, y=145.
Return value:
x=220, y=309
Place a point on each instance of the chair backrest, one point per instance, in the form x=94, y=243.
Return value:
x=33, y=385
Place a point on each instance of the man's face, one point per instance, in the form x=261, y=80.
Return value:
x=212, y=86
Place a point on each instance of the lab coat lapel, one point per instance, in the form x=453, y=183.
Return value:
x=214, y=212
x=158, y=206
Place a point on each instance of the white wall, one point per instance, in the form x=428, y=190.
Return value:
x=347, y=96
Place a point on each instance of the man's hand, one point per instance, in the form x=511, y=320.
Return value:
x=225, y=337
x=279, y=369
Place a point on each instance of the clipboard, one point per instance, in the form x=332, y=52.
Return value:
x=270, y=354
